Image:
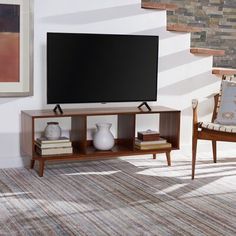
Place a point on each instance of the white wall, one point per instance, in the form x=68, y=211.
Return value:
x=182, y=76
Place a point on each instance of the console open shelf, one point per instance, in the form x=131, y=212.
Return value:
x=169, y=128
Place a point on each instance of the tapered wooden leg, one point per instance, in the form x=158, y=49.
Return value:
x=194, y=152
x=32, y=164
x=214, y=150
x=41, y=168
x=168, y=158
x=154, y=155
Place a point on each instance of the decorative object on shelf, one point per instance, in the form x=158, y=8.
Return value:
x=148, y=135
x=103, y=138
x=52, y=131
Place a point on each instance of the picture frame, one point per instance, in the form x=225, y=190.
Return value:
x=16, y=48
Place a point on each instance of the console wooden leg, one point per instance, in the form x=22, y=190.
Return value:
x=154, y=155
x=32, y=164
x=41, y=168
x=168, y=158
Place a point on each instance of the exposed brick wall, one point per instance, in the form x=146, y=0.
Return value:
x=217, y=18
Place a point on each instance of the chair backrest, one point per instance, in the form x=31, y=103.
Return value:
x=217, y=97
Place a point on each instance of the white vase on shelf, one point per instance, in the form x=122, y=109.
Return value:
x=103, y=138
x=52, y=131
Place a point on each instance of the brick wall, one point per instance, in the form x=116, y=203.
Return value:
x=217, y=18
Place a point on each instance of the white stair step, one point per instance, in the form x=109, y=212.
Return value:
x=184, y=71
x=169, y=42
x=178, y=59
x=184, y=101
x=188, y=85
x=173, y=45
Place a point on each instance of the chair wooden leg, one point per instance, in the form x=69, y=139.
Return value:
x=214, y=150
x=194, y=152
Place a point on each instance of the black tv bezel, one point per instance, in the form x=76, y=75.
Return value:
x=110, y=101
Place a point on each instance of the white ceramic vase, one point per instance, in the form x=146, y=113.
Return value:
x=103, y=138
x=52, y=131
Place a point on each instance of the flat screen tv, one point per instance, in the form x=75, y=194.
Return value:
x=101, y=68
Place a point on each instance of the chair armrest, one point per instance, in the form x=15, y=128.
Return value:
x=194, y=106
x=194, y=103
x=195, y=118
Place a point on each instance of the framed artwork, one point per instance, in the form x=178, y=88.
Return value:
x=16, y=48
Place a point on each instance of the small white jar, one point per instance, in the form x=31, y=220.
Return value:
x=52, y=131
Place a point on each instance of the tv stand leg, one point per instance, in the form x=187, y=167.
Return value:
x=146, y=105
x=41, y=168
x=32, y=164
x=58, y=107
x=168, y=158
x=154, y=156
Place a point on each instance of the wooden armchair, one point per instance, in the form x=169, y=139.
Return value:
x=210, y=131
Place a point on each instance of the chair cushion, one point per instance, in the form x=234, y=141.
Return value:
x=227, y=108
x=217, y=127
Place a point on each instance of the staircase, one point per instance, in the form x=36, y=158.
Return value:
x=194, y=76
x=186, y=28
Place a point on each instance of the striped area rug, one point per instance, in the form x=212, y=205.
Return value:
x=125, y=196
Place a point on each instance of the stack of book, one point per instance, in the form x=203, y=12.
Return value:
x=44, y=146
x=149, y=139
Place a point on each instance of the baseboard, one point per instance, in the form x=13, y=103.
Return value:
x=14, y=162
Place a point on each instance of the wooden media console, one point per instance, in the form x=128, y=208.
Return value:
x=169, y=128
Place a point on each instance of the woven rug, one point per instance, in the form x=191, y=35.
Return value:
x=124, y=196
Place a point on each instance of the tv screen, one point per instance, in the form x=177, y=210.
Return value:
x=91, y=68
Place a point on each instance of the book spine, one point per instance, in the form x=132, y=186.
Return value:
x=53, y=145
x=140, y=143
x=60, y=140
x=157, y=146
x=54, y=151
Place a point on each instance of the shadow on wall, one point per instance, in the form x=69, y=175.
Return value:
x=161, y=31
x=177, y=59
x=94, y=16
x=204, y=108
x=184, y=87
